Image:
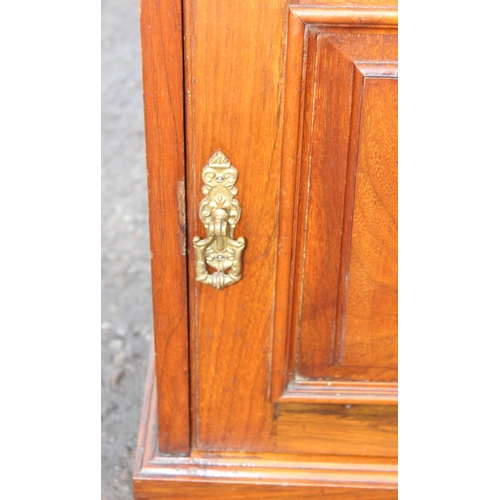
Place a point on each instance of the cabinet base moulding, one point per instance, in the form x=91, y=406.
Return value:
x=250, y=475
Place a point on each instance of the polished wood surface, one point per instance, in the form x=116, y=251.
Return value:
x=368, y=327
x=292, y=371
x=234, y=61
x=161, y=36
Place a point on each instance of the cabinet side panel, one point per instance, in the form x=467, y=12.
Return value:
x=161, y=36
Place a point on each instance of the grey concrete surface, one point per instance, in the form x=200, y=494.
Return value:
x=126, y=288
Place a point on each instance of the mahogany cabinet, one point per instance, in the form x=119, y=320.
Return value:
x=271, y=141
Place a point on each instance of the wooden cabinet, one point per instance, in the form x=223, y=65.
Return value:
x=284, y=382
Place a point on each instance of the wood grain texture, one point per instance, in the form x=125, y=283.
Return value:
x=368, y=333
x=156, y=489
x=329, y=52
x=330, y=335
x=258, y=476
x=161, y=35
x=352, y=430
x=234, y=59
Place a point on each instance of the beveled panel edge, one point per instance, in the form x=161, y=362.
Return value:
x=286, y=215
x=299, y=16
x=250, y=468
x=378, y=69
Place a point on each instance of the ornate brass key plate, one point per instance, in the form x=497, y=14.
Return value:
x=219, y=212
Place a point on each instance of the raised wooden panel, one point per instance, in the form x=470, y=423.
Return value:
x=336, y=339
x=368, y=325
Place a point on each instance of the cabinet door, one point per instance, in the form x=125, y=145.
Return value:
x=300, y=355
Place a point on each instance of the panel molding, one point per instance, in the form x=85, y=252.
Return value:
x=304, y=25
x=372, y=17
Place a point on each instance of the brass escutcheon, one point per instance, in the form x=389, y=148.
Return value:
x=219, y=212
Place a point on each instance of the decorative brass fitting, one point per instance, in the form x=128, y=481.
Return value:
x=219, y=212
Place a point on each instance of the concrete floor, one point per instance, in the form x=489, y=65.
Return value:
x=126, y=288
